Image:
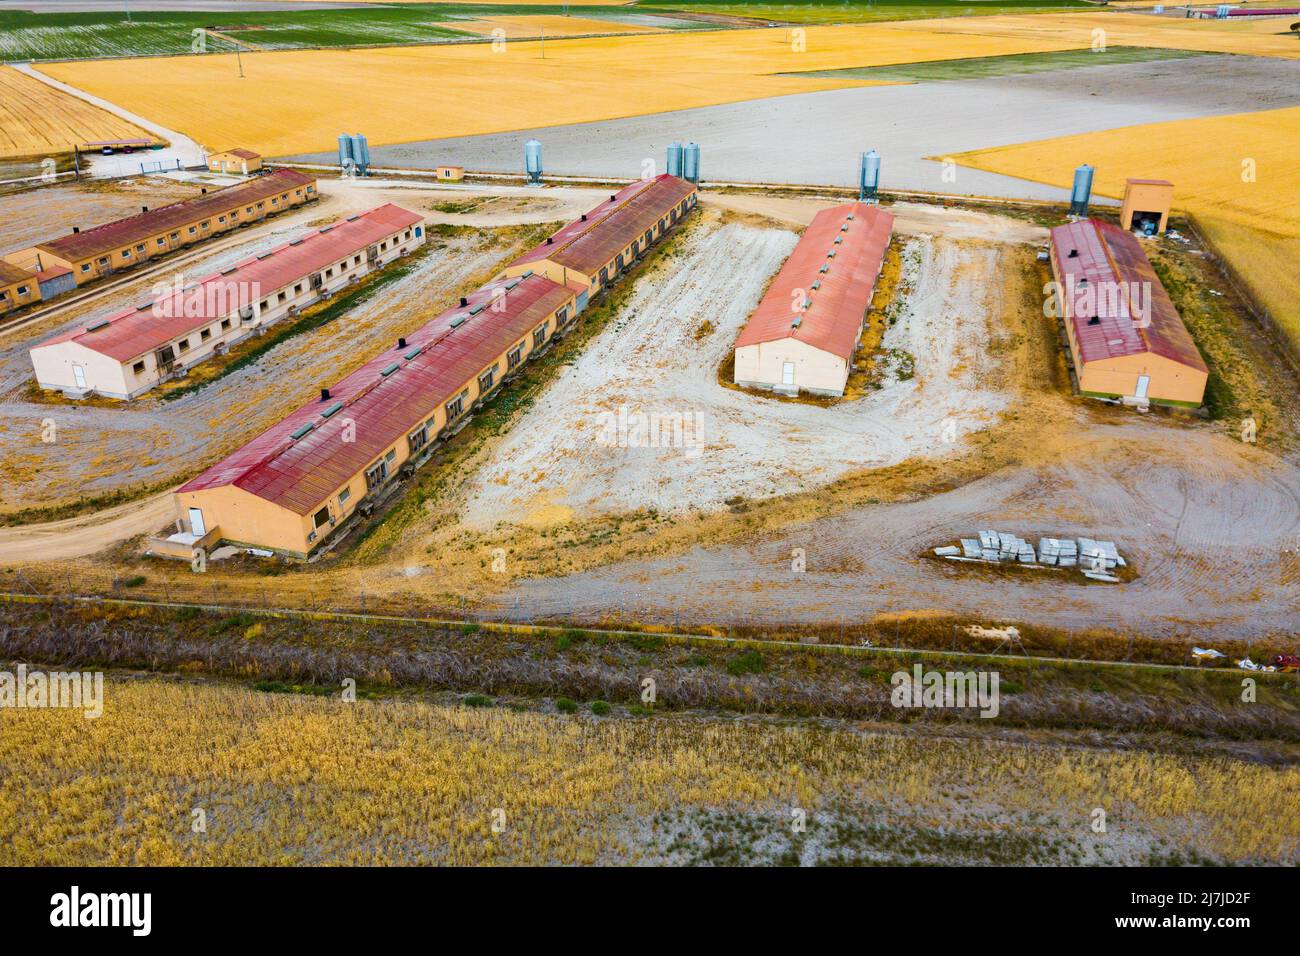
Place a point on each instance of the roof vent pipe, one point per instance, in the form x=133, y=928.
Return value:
x=401, y=342
x=204, y=191
x=76, y=229
x=584, y=217
x=463, y=302
x=324, y=394
x=550, y=240
x=612, y=197
x=144, y=208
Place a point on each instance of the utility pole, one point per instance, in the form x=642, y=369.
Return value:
x=127, y=4
x=239, y=61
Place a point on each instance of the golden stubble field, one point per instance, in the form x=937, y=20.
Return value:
x=298, y=101
x=38, y=120
x=1236, y=175
x=285, y=779
x=1261, y=38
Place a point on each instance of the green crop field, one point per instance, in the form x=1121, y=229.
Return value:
x=1013, y=65
x=812, y=11
x=25, y=35
x=50, y=36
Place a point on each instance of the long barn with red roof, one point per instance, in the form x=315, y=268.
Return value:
x=803, y=334
x=295, y=485
x=127, y=352
x=1126, y=338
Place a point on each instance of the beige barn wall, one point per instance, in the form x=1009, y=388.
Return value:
x=53, y=367
x=1170, y=381
x=816, y=371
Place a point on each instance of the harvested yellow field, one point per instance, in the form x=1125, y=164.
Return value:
x=37, y=120
x=1236, y=175
x=423, y=92
x=545, y=25
x=1125, y=29
x=284, y=779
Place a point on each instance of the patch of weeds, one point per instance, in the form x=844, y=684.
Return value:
x=566, y=705
x=242, y=620
x=750, y=662
x=600, y=708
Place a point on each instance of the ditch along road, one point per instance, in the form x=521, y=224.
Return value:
x=549, y=631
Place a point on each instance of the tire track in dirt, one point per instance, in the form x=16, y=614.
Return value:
x=1224, y=529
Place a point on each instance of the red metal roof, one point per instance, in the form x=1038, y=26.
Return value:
x=586, y=245
x=241, y=153
x=838, y=297
x=300, y=474
x=578, y=227
x=133, y=332
x=1105, y=275
x=133, y=229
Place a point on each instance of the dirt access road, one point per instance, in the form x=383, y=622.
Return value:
x=1211, y=529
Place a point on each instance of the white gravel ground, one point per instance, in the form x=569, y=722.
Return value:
x=569, y=455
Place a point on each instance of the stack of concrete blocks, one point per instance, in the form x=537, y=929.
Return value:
x=1098, y=559
x=1000, y=546
x=1059, y=551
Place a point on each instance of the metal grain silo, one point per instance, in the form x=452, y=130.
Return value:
x=1082, y=191
x=675, y=159
x=360, y=153
x=533, y=160
x=869, y=176
x=691, y=162
x=345, y=151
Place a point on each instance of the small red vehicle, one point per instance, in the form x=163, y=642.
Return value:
x=1286, y=662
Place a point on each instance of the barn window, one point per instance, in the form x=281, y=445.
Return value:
x=322, y=517
x=456, y=407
